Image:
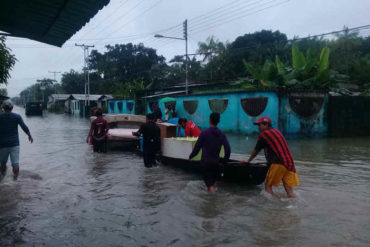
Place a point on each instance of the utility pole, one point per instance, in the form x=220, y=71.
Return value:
x=185, y=25
x=55, y=72
x=86, y=70
x=185, y=29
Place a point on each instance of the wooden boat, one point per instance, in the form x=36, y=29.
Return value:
x=120, y=131
x=175, y=152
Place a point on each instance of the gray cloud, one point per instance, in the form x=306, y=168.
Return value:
x=135, y=21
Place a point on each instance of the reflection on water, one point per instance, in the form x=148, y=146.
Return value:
x=68, y=196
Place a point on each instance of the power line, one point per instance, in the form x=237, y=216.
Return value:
x=110, y=24
x=234, y=17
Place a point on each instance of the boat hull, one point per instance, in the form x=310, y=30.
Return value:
x=233, y=173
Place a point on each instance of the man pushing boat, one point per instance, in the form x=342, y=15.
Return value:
x=191, y=129
x=210, y=141
x=151, y=140
x=278, y=155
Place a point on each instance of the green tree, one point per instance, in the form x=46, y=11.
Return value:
x=73, y=82
x=7, y=61
x=126, y=62
x=256, y=48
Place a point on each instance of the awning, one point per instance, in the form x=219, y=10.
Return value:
x=48, y=21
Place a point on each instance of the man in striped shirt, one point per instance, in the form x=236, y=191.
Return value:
x=278, y=155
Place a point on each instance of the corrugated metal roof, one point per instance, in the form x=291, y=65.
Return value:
x=164, y=94
x=92, y=97
x=48, y=21
x=60, y=96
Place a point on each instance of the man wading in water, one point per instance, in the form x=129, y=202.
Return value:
x=9, y=139
x=98, y=131
x=210, y=141
x=151, y=140
x=278, y=155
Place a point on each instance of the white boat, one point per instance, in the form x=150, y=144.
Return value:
x=176, y=151
x=120, y=131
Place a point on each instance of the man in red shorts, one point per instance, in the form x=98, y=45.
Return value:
x=277, y=155
x=98, y=131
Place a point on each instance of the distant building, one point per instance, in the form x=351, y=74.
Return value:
x=73, y=103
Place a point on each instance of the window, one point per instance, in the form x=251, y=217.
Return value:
x=190, y=106
x=218, y=105
x=254, y=106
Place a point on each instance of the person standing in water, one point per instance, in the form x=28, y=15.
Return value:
x=9, y=138
x=210, y=141
x=98, y=132
x=151, y=139
x=277, y=155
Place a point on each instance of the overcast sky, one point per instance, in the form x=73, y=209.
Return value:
x=136, y=21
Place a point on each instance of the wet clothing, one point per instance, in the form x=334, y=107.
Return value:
x=278, y=173
x=99, y=146
x=175, y=120
x=211, y=173
x=210, y=141
x=13, y=152
x=191, y=129
x=276, y=148
x=149, y=157
x=9, y=129
x=157, y=113
x=99, y=129
x=151, y=142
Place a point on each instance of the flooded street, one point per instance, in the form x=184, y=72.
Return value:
x=68, y=196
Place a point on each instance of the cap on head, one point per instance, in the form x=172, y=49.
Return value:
x=99, y=113
x=264, y=120
x=7, y=105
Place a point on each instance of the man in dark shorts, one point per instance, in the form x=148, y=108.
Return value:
x=210, y=141
x=98, y=131
x=9, y=139
x=151, y=139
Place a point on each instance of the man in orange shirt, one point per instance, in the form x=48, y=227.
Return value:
x=191, y=129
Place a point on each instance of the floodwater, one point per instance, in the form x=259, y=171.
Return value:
x=68, y=196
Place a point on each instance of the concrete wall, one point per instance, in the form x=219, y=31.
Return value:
x=349, y=116
x=303, y=113
x=116, y=106
x=234, y=118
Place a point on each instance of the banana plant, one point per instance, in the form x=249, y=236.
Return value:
x=306, y=71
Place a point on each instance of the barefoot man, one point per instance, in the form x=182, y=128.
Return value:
x=278, y=155
x=9, y=140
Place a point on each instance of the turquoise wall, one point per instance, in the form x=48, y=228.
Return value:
x=234, y=118
x=126, y=105
x=310, y=123
x=295, y=114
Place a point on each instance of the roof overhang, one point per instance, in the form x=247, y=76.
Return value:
x=154, y=96
x=48, y=21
